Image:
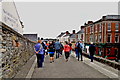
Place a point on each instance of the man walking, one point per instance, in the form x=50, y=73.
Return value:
x=57, y=48
x=92, y=51
x=38, y=48
x=44, y=47
x=79, y=47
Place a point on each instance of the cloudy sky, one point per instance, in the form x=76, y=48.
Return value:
x=49, y=19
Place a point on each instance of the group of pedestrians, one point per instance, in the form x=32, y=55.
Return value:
x=79, y=47
x=44, y=48
x=55, y=47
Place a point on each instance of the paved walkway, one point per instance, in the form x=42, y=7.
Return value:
x=70, y=69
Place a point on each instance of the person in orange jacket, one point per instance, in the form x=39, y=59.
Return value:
x=66, y=50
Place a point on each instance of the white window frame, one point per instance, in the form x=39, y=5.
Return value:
x=86, y=30
x=100, y=27
x=92, y=29
x=118, y=26
x=118, y=38
x=96, y=37
x=110, y=27
x=100, y=37
x=95, y=28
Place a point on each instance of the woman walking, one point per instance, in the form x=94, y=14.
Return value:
x=51, y=51
x=39, y=53
x=66, y=50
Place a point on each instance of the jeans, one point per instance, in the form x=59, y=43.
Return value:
x=40, y=60
x=91, y=57
x=78, y=54
x=57, y=53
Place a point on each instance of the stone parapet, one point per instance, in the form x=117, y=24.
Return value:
x=15, y=51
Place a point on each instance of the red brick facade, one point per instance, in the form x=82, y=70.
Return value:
x=105, y=33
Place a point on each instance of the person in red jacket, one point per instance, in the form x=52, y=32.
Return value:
x=66, y=50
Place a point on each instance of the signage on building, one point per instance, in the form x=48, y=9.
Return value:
x=10, y=16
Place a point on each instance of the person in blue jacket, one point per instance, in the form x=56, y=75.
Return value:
x=38, y=48
x=79, y=47
x=57, y=48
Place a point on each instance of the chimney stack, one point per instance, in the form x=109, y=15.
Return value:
x=103, y=17
x=67, y=32
x=73, y=31
x=90, y=22
x=82, y=27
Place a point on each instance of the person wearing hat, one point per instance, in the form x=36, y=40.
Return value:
x=92, y=51
x=38, y=48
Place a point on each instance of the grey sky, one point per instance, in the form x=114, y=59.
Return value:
x=49, y=19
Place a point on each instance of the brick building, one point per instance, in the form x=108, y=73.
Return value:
x=105, y=33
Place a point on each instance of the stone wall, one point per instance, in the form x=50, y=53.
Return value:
x=15, y=51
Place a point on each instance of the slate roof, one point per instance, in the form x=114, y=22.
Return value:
x=66, y=35
x=73, y=36
x=61, y=34
x=81, y=31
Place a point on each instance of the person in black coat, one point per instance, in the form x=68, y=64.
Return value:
x=51, y=51
x=92, y=51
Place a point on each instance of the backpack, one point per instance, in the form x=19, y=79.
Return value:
x=79, y=46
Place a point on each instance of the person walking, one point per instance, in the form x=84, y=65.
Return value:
x=51, y=51
x=57, y=48
x=46, y=50
x=76, y=50
x=61, y=49
x=92, y=51
x=44, y=46
x=38, y=48
x=79, y=50
x=66, y=50
x=70, y=47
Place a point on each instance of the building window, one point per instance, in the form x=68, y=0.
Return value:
x=109, y=26
x=116, y=52
x=108, y=52
x=95, y=38
x=100, y=38
x=109, y=38
x=86, y=30
x=91, y=29
x=100, y=27
x=96, y=28
x=116, y=38
x=117, y=27
x=91, y=38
